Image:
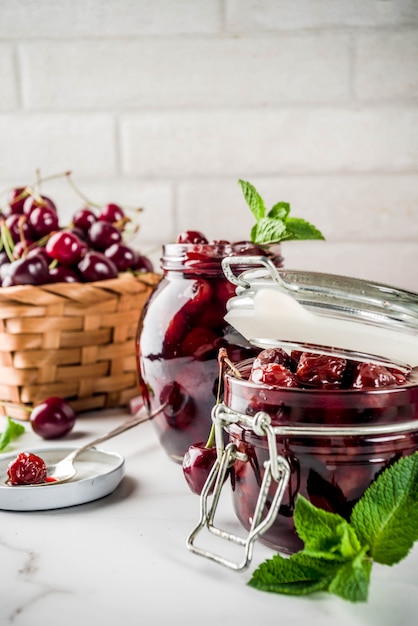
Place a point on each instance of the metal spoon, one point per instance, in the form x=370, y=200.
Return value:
x=64, y=470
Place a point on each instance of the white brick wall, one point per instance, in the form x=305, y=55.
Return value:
x=165, y=104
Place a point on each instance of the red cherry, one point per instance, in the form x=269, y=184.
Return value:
x=43, y=220
x=27, y=271
x=27, y=469
x=143, y=264
x=65, y=247
x=19, y=227
x=96, y=266
x=199, y=342
x=84, y=218
x=191, y=236
x=37, y=251
x=320, y=370
x=33, y=202
x=52, y=418
x=102, y=235
x=21, y=248
x=62, y=274
x=122, y=256
x=272, y=355
x=197, y=464
x=274, y=374
x=16, y=199
x=369, y=376
x=198, y=294
x=176, y=329
x=111, y=213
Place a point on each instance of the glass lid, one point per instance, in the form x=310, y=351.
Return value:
x=324, y=313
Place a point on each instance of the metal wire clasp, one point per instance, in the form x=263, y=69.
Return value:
x=275, y=469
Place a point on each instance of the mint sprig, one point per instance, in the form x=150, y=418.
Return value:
x=275, y=225
x=338, y=555
x=12, y=431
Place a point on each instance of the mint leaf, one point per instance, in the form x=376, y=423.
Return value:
x=268, y=230
x=324, y=534
x=300, y=574
x=276, y=226
x=298, y=228
x=253, y=199
x=351, y=581
x=338, y=555
x=332, y=559
x=279, y=211
x=386, y=516
x=13, y=430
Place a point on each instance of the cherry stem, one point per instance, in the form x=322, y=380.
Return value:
x=222, y=360
x=21, y=221
x=211, y=438
x=80, y=193
x=7, y=241
x=30, y=188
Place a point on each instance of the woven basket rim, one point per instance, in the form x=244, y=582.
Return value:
x=79, y=340
x=125, y=283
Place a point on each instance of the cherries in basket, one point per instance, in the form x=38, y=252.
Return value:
x=36, y=249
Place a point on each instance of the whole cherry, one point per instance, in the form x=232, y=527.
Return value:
x=123, y=256
x=27, y=271
x=96, y=266
x=34, y=201
x=53, y=418
x=143, y=264
x=111, y=213
x=16, y=199
x=197, y=464
x=102, y=235
x=19, y=227
x=65, y=247
x=84, y=218
x=43, y=220
x=62, y=274
x=191, y=236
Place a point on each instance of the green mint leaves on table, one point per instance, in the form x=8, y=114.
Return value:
x=338, y=555
x=12, y=431
x=275, y=225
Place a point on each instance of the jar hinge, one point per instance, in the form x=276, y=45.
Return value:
x=276, y=468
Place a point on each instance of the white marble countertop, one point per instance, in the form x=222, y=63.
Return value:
x=123, y=559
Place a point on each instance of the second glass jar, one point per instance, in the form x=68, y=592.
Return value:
x=180, y=332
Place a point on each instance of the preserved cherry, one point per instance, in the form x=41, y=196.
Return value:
x=332, y=471
x=27, y=469
x=180, y=332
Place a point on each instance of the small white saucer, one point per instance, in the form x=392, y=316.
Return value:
x=99, y=472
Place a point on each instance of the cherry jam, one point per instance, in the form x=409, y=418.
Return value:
x=332, y=471
x=180, y=332
x=27, y=469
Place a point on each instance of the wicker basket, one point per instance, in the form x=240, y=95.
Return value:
x=72, y=340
